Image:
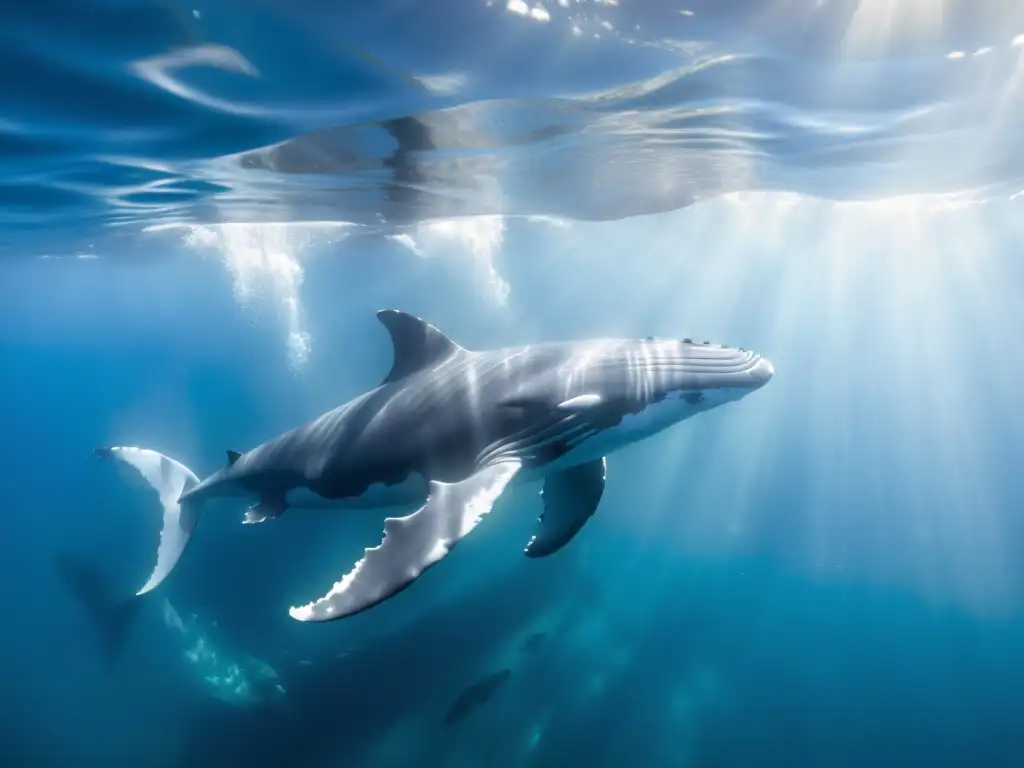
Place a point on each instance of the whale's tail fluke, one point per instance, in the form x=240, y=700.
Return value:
x=170, y=479
x=113, y=615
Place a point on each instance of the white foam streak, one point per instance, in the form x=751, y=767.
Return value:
x=408, y=241
x=264, y=260
x=442, y=84
x=158, y=70
x=481, y=236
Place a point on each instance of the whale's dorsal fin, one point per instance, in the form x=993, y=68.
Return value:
x=417, y=344
x=233, y=456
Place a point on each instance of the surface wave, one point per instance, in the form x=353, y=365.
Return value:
x=589, y=111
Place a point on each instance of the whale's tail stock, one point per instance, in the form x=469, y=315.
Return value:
x=170, y=479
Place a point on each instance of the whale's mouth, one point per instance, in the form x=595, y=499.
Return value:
x=700, y=366
x=762, y=372
x=700, y=359
x=749, y=371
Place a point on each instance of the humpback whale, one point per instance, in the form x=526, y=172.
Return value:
x=448, y=429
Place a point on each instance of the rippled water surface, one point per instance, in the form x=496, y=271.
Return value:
x=119, y=114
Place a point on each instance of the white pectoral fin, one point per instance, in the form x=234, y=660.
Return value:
x=169, y=478
x=580, y=403
x=414, y=543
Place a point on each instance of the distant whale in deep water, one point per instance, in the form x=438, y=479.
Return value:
x=450, y=428
x=474, y=696
x=236, y=678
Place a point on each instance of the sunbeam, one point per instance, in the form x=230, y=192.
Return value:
x=864, y=307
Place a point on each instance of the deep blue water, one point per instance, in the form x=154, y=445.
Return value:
x=203, y=205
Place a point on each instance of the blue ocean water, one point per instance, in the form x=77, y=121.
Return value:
x=202, y=205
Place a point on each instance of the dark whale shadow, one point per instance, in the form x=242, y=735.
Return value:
x=112, y=615
x=475, y=696
x=337, y=708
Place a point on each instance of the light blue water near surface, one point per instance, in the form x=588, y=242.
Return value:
x=202, y=206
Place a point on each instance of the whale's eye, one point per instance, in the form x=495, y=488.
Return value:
x=693, y=398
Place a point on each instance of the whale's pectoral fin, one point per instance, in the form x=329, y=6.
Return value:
x=544, y=402
x=570, y=498
x=413, y=544
x=268, y=507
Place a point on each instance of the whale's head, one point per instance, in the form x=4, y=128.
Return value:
x=631, y=390
x=668, y=380
x=689, y=376
x=705, y=375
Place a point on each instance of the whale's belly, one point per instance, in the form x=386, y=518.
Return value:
x=411, y=491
